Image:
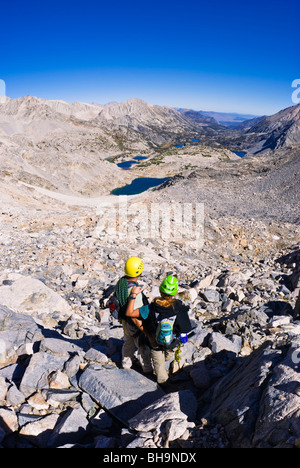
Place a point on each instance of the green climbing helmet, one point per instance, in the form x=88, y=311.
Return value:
x=169, y=286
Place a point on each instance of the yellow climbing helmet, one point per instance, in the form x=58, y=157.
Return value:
x=134, y=267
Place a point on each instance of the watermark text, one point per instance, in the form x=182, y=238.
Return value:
x=174, y=221
x=2, y=92
x=296, y=93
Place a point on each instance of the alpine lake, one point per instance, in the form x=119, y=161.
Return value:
x=139, y=185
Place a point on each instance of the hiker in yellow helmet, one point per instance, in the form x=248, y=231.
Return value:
x=134, y=267
x=133, y=327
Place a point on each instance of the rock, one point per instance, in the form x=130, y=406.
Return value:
x=218, y=342
x=104, y=442
x=72, y=365
x=277, y=321
x=175, y=428
x=55, y=397
x=96, y=355
x=180, y=405
x=296, y=314
x=14, y=397
x=8, y=420
x=211, y=295
x=122, y=392
x=200, y=375
x=3, y=390
x=227, y=305
x=102, y=421
x=3, y=352
x=16, y=330
x=113, y=255
x=198, y=336
x=279, y=415
x=88, y=404
x=38, y=431
x=41, y=365
x=81, y=283
x=205, y=282
x=58, y=379
x=38, y=402
x=255, y=402
x=30, y=296
x=193, y=294
x=70, y=428
x=243, y=243
x=60, y=347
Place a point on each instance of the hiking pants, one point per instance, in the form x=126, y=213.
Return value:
x=159, y=358
x=131, y=342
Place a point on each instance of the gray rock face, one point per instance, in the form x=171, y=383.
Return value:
x=178, y=406
x=211, y=295
x=70, y=428
x=30, y=296
x=257, y=402
x=218, y=342
x=16, y=330
x=123, y=392
x=37, y=372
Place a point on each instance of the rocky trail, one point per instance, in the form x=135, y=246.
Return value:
x=61, y=384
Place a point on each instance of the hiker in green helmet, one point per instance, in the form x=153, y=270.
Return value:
x=168, y=324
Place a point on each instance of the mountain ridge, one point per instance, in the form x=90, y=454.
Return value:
x=148, y=120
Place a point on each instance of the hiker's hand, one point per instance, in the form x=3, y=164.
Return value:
x=136, y=290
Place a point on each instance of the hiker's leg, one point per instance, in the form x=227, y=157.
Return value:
x=158, y=360
x=144, y=356
x=128, y=348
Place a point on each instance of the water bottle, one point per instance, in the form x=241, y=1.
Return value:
x=183, y=338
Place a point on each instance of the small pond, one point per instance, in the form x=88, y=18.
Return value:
x=139, y=185
x=241, y=154
x=127, y=164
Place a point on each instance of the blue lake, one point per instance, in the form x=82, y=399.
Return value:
x=241, y=154
x=128, y=164
x=139, y=185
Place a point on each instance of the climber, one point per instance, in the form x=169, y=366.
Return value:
x=134, y=334
x=167, y=323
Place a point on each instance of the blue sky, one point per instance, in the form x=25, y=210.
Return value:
x=227, y=56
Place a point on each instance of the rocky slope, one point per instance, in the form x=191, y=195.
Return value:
x=280, y=130
x=60, y=352
x=153, y=126
x=264, y=187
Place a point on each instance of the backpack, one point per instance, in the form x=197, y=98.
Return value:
x=113, y=303
x=164, y=334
